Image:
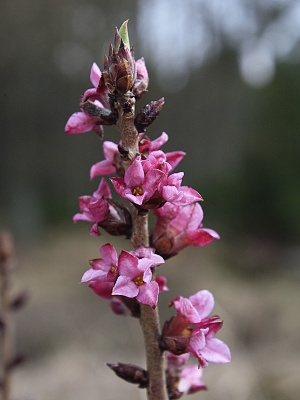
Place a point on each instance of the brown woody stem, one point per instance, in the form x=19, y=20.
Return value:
x=149, y=318
x=6, y=320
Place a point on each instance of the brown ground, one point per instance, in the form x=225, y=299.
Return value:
x=68, y=333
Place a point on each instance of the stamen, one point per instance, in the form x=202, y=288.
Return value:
x=139, y=280
x=137, y=191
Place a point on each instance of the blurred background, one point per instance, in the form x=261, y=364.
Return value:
x=230, y=74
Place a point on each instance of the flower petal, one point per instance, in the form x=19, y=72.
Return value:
x=216, y=351
x=125, y=287
x=203, y=301
x=148, y=294
x=79, y=122
x=95, y=75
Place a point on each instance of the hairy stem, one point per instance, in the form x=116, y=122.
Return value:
x=149, y=318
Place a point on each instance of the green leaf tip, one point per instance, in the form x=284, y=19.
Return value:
x=123, y=31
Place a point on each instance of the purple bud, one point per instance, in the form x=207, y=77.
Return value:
x=130, y=373
x=148, y=114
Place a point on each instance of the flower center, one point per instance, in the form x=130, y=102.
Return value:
x=139, y=280
x=113, y=269
x=137, y=191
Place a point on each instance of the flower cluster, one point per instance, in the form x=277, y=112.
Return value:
x=192, y=331
x=128, y=275
x=143, y=176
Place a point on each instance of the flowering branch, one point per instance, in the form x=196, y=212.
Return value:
x=146, y=180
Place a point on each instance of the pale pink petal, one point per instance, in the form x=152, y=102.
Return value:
x=186, y=309
x=109, y=254
x=152, y=179
x=203, y=301
x=125, y=287
x=174, y=158
x=110, y=149
x=103, y=190
x=135, y=199
x=134, y=176
x=119, y=185
x=186, y=196
x=92, y=274
x=94, y=230
x=197, y=342
x=160, y=141
x=196, y=217
x=190, y=380
x=79, y=122
x=95, y=75
x=81, y=217
x=128, y=265
x=216, y=351
x=148, y=294
x=104, y=167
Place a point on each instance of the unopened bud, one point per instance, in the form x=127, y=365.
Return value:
x=130, y=373
x=148, y=114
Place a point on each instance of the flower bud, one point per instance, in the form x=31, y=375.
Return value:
x=148, y=114
x=130, y=373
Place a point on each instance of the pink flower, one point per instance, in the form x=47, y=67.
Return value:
x=179, y=227
x=82, y=121
x=191, y=380
x=148, y=252
x=137, y=186
x=191, y=331
x=135, y=279
x=103, y=269
x=146, y=146
x=112, y=160
x=146, y=183
x=183, y=379
x=94, y=208
x=126, y=275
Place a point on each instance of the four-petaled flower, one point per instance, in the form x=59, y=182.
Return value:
x=82, y=121
x=94, y=208
x=191, y=331
x=135, y=279
x=128, y=275
x=146, y=183
x=179, y=227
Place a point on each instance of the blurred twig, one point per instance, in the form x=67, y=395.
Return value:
x=9, y=303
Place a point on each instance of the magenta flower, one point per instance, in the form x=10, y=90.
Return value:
x=94, y=208
x=103, y=269
x=191, y=331
x=179, y=227
x=137, y=186
x=135, y=279
x=146, y=183
x=146, y=146
x=82, y=121
x=112, y=160
x=148, y=252
x=126, y=275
